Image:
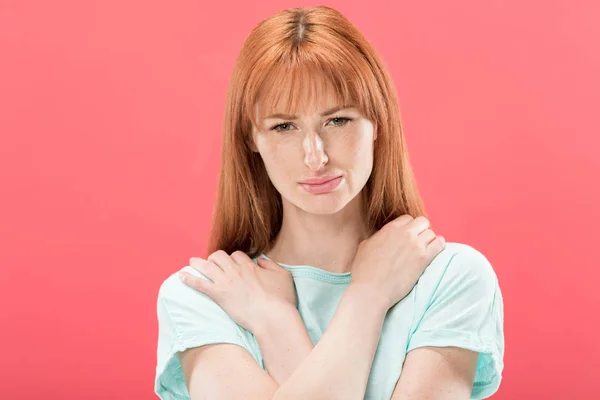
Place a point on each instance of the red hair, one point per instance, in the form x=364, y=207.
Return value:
x=298, y=47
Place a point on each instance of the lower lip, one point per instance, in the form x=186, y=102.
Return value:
x=323, y=187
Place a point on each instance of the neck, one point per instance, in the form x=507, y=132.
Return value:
x=328, y=242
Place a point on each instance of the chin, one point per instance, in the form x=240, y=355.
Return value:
x=322, y=210
x=323, y=204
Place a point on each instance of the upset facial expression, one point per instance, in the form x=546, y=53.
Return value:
x=326, y=140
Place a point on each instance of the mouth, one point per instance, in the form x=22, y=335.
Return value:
x=325, y=185
x=319, y=181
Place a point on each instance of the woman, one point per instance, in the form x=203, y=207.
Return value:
x=315, y=176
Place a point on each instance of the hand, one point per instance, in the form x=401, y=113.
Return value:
x=389, y=263
x=249, y=293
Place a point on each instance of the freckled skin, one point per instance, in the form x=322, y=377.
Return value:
x=314, y=145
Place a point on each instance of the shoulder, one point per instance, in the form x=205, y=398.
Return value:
x=462, y=259
x=189, y=319
x=458, y=303
x=172, y=288
x=186, y=308
x=187, y=315
x=459, y=266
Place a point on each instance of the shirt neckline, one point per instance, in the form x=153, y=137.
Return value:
x=308, y=271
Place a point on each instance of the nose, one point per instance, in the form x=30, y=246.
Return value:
x=314, y=151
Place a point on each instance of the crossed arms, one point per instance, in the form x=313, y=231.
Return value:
x=336, y=368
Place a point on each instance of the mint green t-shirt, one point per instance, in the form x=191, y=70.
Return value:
x=456, y=302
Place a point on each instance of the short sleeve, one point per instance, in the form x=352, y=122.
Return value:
x=460, y=305
x=187, y=318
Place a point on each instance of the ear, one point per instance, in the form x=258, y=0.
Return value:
x=375, y=129
x=252, y=146
x=251, y=141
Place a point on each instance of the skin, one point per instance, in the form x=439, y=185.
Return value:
x=327, y=231
x=320, y=230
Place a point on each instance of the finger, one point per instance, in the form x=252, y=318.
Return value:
x=208, y=269
x=224, y=261
x=195, y=261
x=263, y=263
x=268, y=264
x=436, y=246
x=426, y=237
x=402, y=220
x=242, y=259
x=439, y=242
x=419, y=224
x=197, y=283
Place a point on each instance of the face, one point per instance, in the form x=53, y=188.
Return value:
x=325, y=141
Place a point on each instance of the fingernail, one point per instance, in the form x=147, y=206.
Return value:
x=181, y=276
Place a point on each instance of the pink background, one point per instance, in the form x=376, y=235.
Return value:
x=110, y=116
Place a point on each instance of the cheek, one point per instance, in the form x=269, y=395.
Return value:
x=355, y=148
x=278, y=153
x=357, y=156
x=277, y=163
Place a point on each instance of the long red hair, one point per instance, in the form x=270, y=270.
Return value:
x=294, y=47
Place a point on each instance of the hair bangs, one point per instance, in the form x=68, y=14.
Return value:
x=295, y=84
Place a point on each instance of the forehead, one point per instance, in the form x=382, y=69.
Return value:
x=299, y=95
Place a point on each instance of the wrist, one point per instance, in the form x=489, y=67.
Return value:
x=275, y=318
x=369, y=295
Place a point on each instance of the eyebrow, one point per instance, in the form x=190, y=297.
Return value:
x=323, y=114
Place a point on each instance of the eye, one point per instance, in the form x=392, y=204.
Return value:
x=343, y=121
x=276, y=127
x=338, y=121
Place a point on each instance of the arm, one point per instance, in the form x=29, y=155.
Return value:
x=224, y=371
x=339, y=365
x=228, y=371
x=428, y=372
x=441, y=373
x=284, y=343
x=461, y=325
x=337, y=368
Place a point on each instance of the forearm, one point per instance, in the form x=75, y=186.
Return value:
x=284, y=343
x=338, y=366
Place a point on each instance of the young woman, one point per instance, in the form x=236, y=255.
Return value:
x=324, y=279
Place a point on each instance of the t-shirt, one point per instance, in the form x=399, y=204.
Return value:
x=456, y=302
